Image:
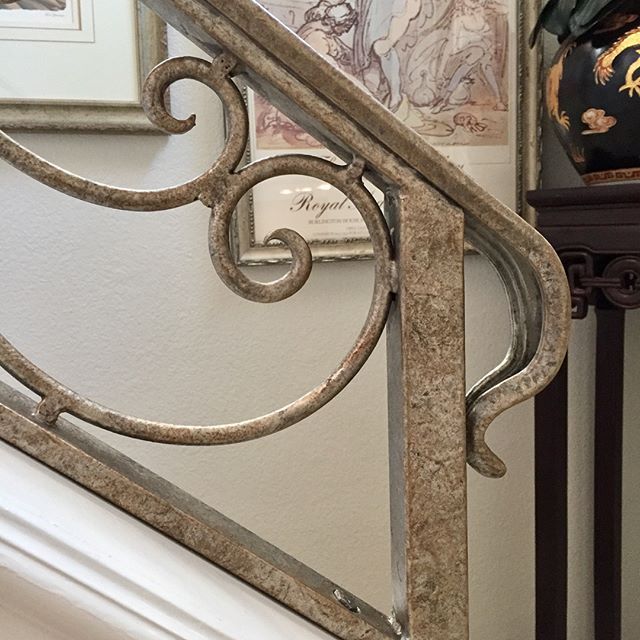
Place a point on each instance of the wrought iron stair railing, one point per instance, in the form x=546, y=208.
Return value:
x=431, y=206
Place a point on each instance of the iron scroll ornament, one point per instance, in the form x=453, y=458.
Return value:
x=219, y=188
x=530, y=363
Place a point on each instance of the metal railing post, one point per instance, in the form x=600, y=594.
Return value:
x=426, y=373
x=418, y=296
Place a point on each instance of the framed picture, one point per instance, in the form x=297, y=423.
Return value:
x=77, y=64
x=459, y=72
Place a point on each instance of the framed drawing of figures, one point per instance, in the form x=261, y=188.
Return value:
x=46, y=19
x=76, y=64
x=458, y=72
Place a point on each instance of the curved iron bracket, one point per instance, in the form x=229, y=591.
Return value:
x=418, y=296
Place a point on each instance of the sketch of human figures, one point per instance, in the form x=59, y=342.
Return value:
x=35, y=5
x=439, y=65
x=323, y=27
x=430, y=51
x=380, y=28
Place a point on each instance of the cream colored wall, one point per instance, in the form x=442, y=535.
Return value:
x=126, y=308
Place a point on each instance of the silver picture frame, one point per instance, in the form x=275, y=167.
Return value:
x=95, y=117
x=250, y=249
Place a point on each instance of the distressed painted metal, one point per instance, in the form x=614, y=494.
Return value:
x=426, y=378
x=173, y=512
x=418, y=293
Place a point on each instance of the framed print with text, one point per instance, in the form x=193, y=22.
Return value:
x=76, y=64
x=459, y=72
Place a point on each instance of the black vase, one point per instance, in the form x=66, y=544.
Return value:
x=593, y=99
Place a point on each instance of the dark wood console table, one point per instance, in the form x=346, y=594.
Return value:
x=596, y=232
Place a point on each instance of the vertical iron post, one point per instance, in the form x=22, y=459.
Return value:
x=426, y=374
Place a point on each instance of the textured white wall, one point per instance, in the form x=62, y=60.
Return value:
x=126, y=308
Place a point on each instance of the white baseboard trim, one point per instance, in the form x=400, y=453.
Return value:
x=48, y=563
x=105, y=565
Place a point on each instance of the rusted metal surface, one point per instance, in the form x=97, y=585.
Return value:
x=430, y=204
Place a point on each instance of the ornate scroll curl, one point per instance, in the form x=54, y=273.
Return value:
x=530, y=278
x=219, y=188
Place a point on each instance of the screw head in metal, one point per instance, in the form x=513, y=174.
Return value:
x=346, y=601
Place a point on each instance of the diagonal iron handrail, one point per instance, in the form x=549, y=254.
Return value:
x=418, y=252
x=526, y=263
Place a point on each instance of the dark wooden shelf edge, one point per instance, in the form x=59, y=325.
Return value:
x=609, y=195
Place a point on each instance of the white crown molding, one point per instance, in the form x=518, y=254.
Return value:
x=98, y=562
